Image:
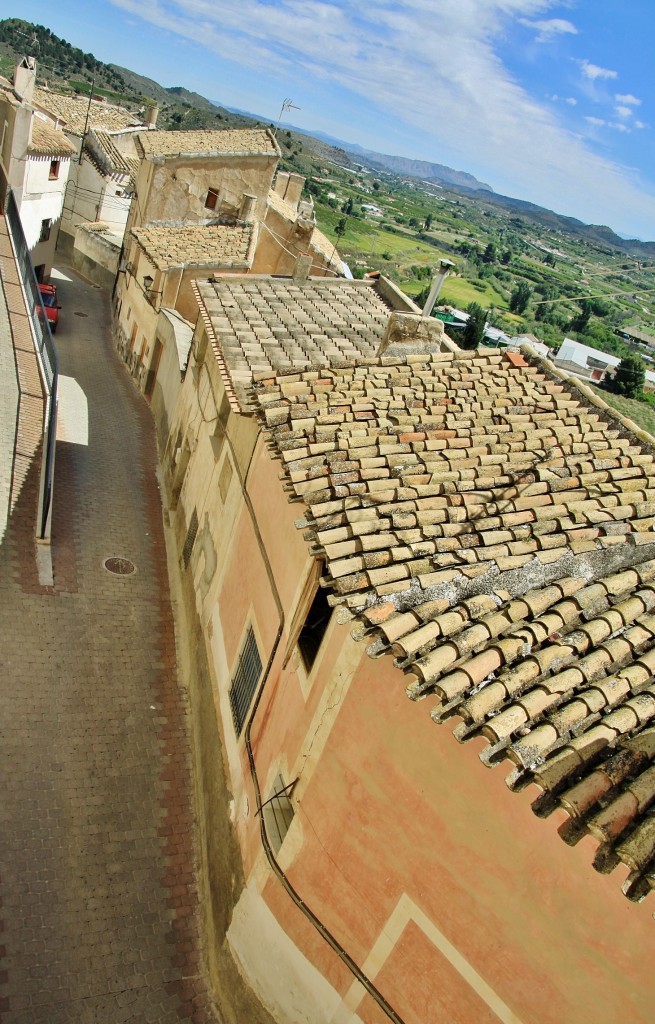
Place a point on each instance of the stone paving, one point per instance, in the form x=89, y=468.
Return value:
x=99, y=900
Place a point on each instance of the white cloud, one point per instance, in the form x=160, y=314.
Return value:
x=628, y=99
x=593, y=71
x=406, y=70
x=618, y=126
x=639, y=124
x=549, y=29
x=572, y=102
x=623, y=111
x=597, y=121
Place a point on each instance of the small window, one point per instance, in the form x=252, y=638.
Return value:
x=212, y=199
x=278, y=813
x=244, y=681
x=191, y=535
x=311, y=635
x=46, y=227
x=54, y=170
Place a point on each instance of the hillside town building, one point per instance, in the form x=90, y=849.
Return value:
x=206, y=202
x=36, y=156
x=365, y=514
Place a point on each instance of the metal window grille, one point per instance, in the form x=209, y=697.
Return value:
x=278, y=814
x=191, y=535
x=245, y=679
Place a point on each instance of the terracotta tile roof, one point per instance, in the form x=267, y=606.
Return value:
x=261, y=324
x=226, y=142
x=201, y=245
x=108, y=158
x=48, y=141
x=492, y=528
x=72, y=112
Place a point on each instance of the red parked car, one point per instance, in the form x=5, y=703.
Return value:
x=50, y=305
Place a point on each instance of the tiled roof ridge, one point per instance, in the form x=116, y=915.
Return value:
x=46, y=140
x=199, y=143
x=491, y=526
x=216, y=347
x=106, y=156
x=159, y=243
x=556, y=373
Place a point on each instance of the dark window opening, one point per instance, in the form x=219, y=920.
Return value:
x=278, y=814
x=212, y=199
x=312, y=633
x=245, y=679
x=54, y=170
x=191, y=535
x=46, y=226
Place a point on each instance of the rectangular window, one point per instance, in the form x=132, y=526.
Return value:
x=191, y=535
x=54, y=170
x=46, y=226
x=311, y=635
x=278, y=813
x=212, y=199
x=244, y=681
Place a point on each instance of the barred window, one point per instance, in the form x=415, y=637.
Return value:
x=278, y=813
x=191, y=535
x=244, y=681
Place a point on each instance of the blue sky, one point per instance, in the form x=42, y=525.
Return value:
x=546, y=101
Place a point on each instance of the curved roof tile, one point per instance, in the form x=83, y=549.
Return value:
x=492, y=530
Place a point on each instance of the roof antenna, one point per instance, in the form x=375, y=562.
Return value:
x=286, y=105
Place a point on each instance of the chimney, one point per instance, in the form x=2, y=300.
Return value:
x=281, y=182
x=152, y=113
x=25, y=78
x=294, y=189
x=302, y=267
x=445, y=266
x=410, y=333
x=247, y=208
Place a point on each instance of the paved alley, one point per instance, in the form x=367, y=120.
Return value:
x=99, y=901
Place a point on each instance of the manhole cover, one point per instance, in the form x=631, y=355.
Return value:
x=77, y=313
x=119, y=566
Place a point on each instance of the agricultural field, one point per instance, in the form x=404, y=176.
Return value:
x=528, y=277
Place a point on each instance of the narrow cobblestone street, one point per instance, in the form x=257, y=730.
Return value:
x=99, y=898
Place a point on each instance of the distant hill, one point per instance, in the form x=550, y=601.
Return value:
x=174, y=94
x=68, y=67
x=599, y=234
x=418, y=168
x=401, y=165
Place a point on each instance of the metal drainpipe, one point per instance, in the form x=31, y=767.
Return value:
x=270, y=856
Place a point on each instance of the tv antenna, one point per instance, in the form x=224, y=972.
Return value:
x=286, y=105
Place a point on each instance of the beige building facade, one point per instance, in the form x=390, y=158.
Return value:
x=207, y=202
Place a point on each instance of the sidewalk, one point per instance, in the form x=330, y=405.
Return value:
x=99, y=903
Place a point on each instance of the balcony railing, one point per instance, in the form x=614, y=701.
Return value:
x=46, y=351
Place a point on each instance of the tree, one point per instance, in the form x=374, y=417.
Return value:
x=340, y=228
x=474, y=330
x=489, y=254
x=629, y=377
x=518, y=302
x=580, y=321
x=347, y=206
x=427, y=224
